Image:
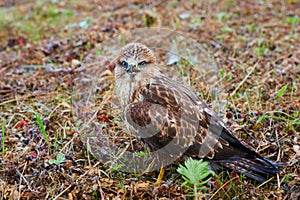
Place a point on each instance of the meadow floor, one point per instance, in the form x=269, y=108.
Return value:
x=45, y=46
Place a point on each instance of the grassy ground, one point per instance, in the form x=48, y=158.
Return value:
x=256, y=45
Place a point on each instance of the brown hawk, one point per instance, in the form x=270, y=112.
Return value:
x=164, y=113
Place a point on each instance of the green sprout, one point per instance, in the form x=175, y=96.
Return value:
x=59, y=159
x=2, y=136
x=195, y=172
x=42, y=128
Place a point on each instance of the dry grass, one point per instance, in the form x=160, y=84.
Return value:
x=41, y=42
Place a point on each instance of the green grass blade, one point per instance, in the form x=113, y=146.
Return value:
x=2, y=136
x=42, y=128
x=281, y=91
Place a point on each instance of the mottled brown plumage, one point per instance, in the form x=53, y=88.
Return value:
x=164, y=113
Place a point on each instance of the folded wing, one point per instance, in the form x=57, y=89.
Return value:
x=171, y=117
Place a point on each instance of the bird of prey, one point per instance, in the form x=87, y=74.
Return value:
x=162, y=111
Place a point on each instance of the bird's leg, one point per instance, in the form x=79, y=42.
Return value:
x=161, y=172
x=160, y=176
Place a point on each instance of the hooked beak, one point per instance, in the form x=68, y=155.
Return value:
x=133, y=67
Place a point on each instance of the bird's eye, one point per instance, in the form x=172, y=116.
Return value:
x=124, y=64
x=142, y=63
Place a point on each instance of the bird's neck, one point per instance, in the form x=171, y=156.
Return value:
x=128, y=88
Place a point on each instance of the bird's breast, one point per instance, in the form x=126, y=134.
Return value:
x=128, y=89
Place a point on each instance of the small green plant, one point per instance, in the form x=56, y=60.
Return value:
x=261, y=47
x=172, y=4
x=98, y=52
x=136, y=175
x=222, y=16
x=248, y=101
x=293, y=20
x=224, y=75
x=281, y=91
x=89, y=45
x=115, y=168
x=142, y=153
x=287, y=178
x=195, y=172
x=195, y=22
x=252, y=27
x=85, y=23
x=59, y=159
x=293, y=119
x=121, y=185
x=184, y=67
x=2, y=136
x=42, y=128
x=55, y=146
x=219, y=37
x=148, y=19
x=227, y=29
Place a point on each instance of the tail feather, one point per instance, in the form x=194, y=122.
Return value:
x=237, y=156
x=256, y=168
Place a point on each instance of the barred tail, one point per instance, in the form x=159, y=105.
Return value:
x=257, y=168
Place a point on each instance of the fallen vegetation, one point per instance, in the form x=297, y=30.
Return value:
x=44, y=44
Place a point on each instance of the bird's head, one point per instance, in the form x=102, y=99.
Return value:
x=133, y=59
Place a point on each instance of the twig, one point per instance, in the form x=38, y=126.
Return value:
x=85, y=173
x=278, y=181
x=4, y=67
x=88, y=150
x=74, y=136
x=63, y=192
x=101, y=191
x=265, y=182
x=222, y=187
x=279, y=152
x=24, y=97
x=20, y=183
x=246, y=77
x=22, y=177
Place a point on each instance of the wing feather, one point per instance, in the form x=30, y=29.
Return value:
x=171, y=112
